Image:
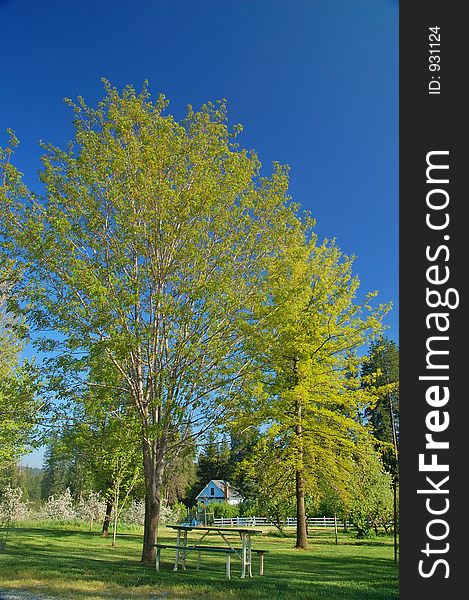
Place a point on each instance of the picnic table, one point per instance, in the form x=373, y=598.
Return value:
x=184, y=547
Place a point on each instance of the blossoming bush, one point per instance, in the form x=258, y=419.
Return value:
x=90, y=508
x=59, y=508
x=12, y=508
x=134, y=513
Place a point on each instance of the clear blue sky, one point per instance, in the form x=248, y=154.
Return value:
x=314, y=82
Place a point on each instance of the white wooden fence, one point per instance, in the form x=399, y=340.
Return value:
x=264, y=522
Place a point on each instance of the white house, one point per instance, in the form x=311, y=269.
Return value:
x=218, y=490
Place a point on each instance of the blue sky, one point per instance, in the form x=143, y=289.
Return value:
x=314, y=82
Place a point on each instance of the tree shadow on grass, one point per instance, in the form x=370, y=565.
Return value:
x=289, y=573
x=327, y=538
x=63, y=533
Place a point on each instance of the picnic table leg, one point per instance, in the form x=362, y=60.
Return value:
x=243, y=555
x=249, y=553
x=184, y=552
x=176, y=562
x=261, y=563
x=157, y=560
x=228, y=565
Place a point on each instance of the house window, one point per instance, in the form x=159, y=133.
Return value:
x=212, y=491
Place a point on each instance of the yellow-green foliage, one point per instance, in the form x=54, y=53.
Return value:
x=18, y=405
x=311, y=396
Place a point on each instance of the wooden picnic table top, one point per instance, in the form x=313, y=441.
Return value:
x=249, y=530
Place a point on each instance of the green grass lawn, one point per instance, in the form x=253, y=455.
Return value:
x=73, y=563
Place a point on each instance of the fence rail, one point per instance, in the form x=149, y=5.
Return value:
x=264, y=522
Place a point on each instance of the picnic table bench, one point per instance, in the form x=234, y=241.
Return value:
x=245, y=553
x=215, y=549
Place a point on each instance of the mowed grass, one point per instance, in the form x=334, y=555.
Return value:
x=70, y=562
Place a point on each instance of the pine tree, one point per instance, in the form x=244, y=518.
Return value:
x=380, y=376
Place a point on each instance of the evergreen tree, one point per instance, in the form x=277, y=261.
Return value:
x=213, y=462
x=380, y=376
x=180, y=477
x=62, y=469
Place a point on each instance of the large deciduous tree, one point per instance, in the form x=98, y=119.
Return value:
x=149, y=248
x=309, y=355
x=19, y=402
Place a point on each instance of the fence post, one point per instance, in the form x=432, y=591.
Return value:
x=335, y=528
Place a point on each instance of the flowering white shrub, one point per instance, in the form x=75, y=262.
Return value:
x=11, y=506
x=60, y=508
x=134, y=513
x=63, y=508
x=167, y=515
x=90, y=507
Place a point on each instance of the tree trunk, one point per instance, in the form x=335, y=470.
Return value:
x=116, y=513
x=301, y=532
x=395, y=524
x=107, y=519
x=153, y=465
x=301, y=525
x=150, y=528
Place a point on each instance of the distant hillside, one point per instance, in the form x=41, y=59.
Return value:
x=28, y=479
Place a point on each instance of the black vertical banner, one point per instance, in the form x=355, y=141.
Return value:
x=434, y=333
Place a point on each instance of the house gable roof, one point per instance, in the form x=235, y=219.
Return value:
x=219, y=485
